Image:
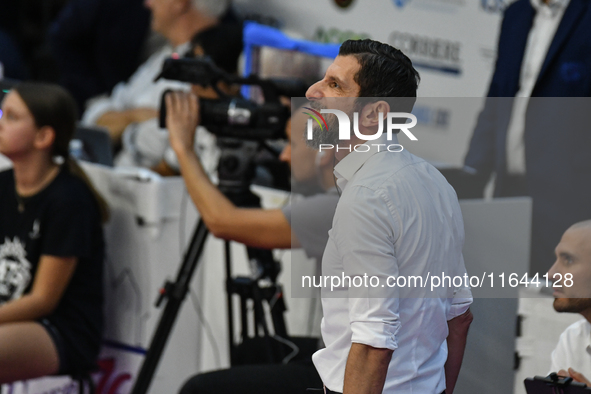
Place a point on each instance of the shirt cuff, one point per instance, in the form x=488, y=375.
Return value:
x=459, y=307
x=460, y=303
x=379, y=335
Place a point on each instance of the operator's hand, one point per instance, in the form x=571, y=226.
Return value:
x=182, y=119
x=577, y=376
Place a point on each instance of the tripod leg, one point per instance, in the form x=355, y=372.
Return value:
x=260, y=322
x=244, y=316
x=229, y=292
x=175, y=294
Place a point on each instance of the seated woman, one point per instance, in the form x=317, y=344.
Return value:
x=51, y=241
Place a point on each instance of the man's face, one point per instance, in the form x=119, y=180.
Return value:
x=573, y=257
x=337, y=90
x=163, y=14
x=338, y=80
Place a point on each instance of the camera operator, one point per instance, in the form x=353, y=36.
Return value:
x=257, y=228
x=263, y=228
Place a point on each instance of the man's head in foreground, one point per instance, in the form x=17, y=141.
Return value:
x=571, y=272
x=362, y=73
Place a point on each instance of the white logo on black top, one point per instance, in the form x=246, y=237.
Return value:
x=35, y=233
x=15, y=270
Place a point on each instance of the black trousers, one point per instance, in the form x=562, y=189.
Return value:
x=332, y=392
x=292, y=378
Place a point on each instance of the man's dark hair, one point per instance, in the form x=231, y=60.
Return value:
x=385, y=71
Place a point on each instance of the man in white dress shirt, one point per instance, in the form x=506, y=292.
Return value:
x=132, y=106
x=572, y=272
x=397, y=217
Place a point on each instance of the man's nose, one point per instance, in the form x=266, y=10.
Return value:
x=553, y=270
x=314, y=92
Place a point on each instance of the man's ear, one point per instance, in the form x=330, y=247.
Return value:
x=45, y=137
x=370, y=114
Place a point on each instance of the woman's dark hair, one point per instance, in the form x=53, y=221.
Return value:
x=51, y=105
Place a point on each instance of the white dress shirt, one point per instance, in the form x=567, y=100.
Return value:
x=397, y=216
x=546, y=21
x=574, y=349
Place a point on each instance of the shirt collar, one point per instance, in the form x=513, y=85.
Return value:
x=351, y=163
x=553, y=5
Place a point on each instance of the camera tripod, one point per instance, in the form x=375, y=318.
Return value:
x=235, y=170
